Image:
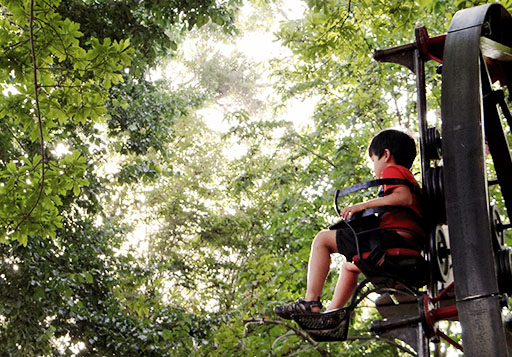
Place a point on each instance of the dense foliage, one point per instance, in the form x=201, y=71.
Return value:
x=132, y=225
x=64, y=109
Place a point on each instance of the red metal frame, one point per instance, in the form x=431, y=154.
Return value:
x=431, y=48
x=432, y=316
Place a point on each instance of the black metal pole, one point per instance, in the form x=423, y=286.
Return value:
x=421, y=105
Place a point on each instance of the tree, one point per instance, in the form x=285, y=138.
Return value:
x=228, y=236
x=154, y=28
x=47, y=85
x=61, y=276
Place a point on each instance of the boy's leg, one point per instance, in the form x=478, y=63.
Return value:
x=319, y=263
x=345, y=287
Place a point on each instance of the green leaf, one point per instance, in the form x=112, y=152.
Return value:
x=11, y=167
x=167, y=334
x=76, y=189
x=39, y=294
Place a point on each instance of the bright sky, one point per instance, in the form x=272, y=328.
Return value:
x=260, y=46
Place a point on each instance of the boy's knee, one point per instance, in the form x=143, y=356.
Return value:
x=325, y=239
x=320, y=238
x=351, y=267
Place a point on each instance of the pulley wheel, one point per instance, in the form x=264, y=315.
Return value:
x=438, y=254
x=498, y=238
x=504, y=270
x=433, y=191
x=433, y=144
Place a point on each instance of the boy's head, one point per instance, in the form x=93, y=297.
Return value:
x=399, y=144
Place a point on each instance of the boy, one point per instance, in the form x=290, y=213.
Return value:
x=392, y=153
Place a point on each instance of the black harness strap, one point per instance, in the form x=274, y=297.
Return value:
x=377, y=212
x=364, y=185
x=379, y=182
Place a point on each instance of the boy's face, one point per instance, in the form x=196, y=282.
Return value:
x=379, y=164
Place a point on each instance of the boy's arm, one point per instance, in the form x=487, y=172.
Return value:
x=399, y=196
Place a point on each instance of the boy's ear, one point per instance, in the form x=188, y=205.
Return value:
x=388, y=157
x=387, y=154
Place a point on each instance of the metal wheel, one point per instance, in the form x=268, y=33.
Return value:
x=438, y=255
x=498, y=237
x=476, y=55
x=477, y=42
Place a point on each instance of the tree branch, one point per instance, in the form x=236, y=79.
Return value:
x=39, y=120
x=16, y=138
x=387, y=340
x=314, y=153
x=304, y=335
x=307, y=338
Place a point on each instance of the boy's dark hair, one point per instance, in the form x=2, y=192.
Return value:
x=399, y=144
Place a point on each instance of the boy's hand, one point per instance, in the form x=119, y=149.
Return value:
x=399, y=196
x=347, y=212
